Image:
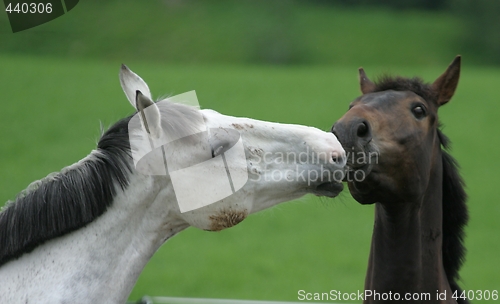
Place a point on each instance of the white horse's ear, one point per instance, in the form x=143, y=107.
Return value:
x=131, y=83
x=150, y=115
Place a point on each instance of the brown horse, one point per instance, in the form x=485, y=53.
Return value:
x=397, y=160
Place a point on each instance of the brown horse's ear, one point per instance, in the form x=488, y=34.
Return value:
x=365, y=84
x=447, y=83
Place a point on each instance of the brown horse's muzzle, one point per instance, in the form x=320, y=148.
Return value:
x=354, y=133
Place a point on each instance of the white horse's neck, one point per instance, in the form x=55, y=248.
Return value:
x=102, y=260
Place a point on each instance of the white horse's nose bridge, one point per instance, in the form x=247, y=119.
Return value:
x=325, y=145
x=338, y=152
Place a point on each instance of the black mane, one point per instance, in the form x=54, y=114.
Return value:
x=68, y=200
x=455, y=214
x=415, y=85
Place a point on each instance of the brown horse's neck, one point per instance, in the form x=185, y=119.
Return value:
x=406, y=250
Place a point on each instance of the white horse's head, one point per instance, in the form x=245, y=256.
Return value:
x=218, y=169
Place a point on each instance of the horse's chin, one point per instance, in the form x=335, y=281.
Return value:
x=361, y=192
x=331, y=189
x=376, y=188
x=362, y=183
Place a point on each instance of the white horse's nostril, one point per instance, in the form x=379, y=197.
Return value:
x=339, y=158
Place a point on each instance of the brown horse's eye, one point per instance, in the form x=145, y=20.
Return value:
x=418, y=111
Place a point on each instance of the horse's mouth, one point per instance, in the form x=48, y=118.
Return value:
x=357, y=173
x=329, y=189
x=362, y=181
x=358, y=168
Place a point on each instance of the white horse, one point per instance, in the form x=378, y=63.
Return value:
x=84, y=235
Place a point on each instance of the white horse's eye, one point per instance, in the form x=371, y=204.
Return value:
x=219, y=150
x=222, y=140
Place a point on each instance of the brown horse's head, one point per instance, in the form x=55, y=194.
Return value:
x=391, y=135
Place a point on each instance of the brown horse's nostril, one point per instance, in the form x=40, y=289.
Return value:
x=362, y=129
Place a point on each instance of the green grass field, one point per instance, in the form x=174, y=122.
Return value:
x=52, y=109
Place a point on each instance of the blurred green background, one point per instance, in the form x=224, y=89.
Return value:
x=287, y=61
